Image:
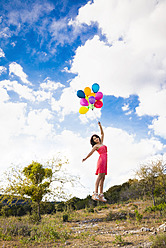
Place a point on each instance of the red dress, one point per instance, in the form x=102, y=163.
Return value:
x=102, y=161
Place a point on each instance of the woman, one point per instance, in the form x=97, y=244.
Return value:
x=101, y=171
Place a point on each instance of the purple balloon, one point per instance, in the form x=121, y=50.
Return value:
x=99, y=96
x=92, y=99
x=84, y=102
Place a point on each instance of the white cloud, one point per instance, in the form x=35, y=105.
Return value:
x=117, y=69
x=158, y=125
x=50, y=85
x=67, y=104
x=17, y=70
x=2, y=69
x=4, y=95
x=152, y=102
x=125, y=153
x=29, y=13
x=5, y=33
x=37, y=124
x=128, y=65
x=12, y=120
x=119, y=18
x=22, y=90
x=2, y=54
x=125, y=107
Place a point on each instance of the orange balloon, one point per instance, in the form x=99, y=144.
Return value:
x=87, y=91
x=92, y=94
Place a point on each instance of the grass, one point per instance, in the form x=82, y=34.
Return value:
x=104, y=226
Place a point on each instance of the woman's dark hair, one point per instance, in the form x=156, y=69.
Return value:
x=92, y=141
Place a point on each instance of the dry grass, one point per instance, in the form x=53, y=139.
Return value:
x=84, y=228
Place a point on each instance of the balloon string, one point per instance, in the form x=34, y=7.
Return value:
x=95, y=115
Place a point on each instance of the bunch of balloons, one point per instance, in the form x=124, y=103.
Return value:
x=90, y=99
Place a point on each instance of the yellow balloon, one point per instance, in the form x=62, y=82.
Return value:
x=83, y=110
x=87, y=91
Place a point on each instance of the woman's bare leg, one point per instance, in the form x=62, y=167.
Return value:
x=101, y=177
x=102, y=183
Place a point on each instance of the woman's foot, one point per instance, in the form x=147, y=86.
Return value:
x=101, y=198
x=95, y=196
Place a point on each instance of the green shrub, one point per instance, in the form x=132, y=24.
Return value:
x=159, y=241
x=90, y=210
x=121, y=215
x=138, y=216
x=65, y=217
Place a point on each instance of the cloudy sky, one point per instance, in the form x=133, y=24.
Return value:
x=49, y=49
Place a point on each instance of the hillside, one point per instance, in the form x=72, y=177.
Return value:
x=116, y=225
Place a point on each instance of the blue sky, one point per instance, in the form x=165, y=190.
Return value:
x=51, y=49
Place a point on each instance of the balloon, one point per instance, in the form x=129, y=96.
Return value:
x=80, y=94
x=84, y=102
x=92, y=94
x=87, y=91
x=98, y=104
x=95, y=88
x=99, y=96
x=83, y=110
x=92, y=99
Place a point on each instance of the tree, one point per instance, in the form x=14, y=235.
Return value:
x=152, y=177
x=36, y=182
x=36, y=186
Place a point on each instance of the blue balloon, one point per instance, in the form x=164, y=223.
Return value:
x=95, y=88
x=80, y=94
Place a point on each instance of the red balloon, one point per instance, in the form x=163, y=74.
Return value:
x=98, y=104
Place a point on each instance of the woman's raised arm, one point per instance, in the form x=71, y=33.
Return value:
x=101, y=130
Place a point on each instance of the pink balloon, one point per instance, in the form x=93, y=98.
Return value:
x=84, y=102
x=99, y=96
x=98, y=104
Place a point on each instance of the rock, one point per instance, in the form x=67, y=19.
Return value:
x=162, y=227
x=145, y=229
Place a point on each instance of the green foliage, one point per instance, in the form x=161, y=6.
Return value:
x=119, y=240
x=36, y=173
x=138, y=216
x=159, y=241
x=153, y=179
x=90, y=210
x=161, y=208
x=120, y=215
x=5, y=211
x=65, y=217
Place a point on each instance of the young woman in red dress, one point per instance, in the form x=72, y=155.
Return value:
x=101, y=171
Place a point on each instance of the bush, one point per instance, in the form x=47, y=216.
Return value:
x=160, y=208
x=65, y=217
x=138, y=216
x=5, y=211
x=160, y=241
x=121, y=215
